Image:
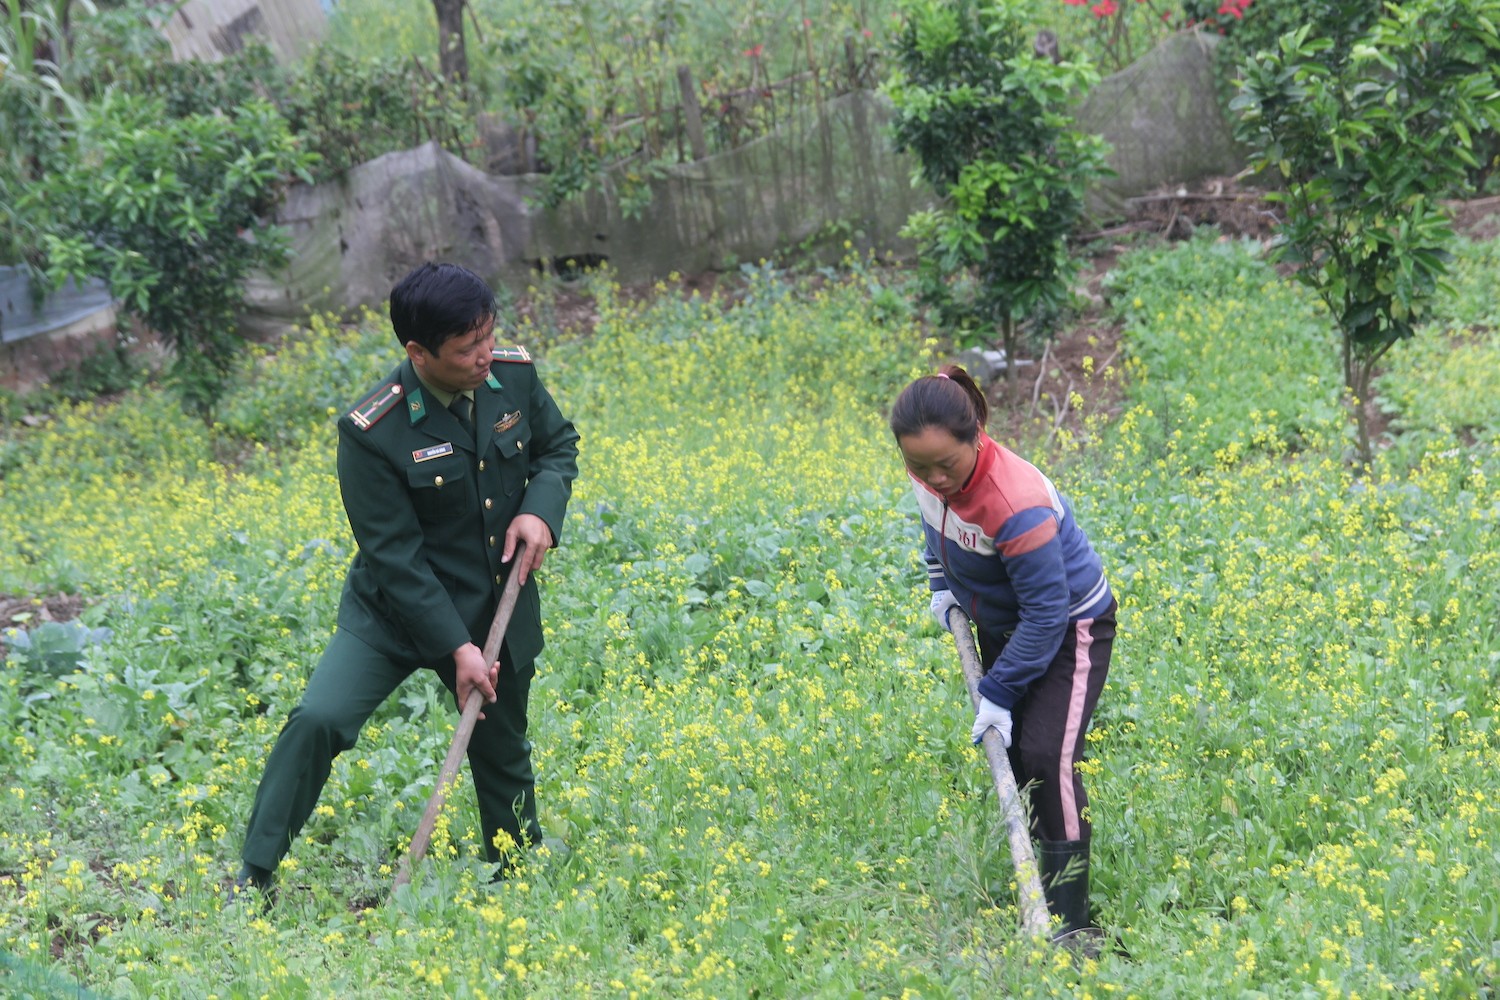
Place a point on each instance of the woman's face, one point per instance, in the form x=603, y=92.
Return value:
x=939, y=459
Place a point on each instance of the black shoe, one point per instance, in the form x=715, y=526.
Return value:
x=251, y=887
x=1064, y=869
x=1085, y=942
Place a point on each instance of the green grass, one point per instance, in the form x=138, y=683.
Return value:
x=746, y=725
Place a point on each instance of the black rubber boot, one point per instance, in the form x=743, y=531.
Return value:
x=1064, y=869
x=254, y=882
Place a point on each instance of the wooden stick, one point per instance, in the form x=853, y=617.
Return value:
x=1034, y=918
x=466, y=722
x=1036, y=390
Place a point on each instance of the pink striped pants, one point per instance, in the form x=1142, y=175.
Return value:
x=1049, y=723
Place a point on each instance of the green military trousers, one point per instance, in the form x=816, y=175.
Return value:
x=350, y=682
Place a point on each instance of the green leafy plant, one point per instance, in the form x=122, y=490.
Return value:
x=195, y=87
x=1259, y=27
x=350, y=110
x=989, y=123
x=36, y=109
x=174, y=213
x=346, y=109
x=55, y=57
x=556, y=101
x=1368, y=115
x=51, y=650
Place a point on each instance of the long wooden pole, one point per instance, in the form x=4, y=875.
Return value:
x=1034, y=919
x=460, y=744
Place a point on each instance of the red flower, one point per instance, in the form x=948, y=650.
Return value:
x=1075, y=3
x=754, y=53
x=1104, y=8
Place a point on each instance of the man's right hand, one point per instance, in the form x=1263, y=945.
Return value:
x=472, y=673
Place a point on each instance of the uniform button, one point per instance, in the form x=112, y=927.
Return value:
x=437, y=480
x=520, y=446
x=488, y=503
x=481, y=465
x=497, y=580
x=492, y=541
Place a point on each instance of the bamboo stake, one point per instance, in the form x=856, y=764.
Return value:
x=466, y=721
x=1033, y=905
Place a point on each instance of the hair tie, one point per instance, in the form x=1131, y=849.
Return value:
x=943, y=375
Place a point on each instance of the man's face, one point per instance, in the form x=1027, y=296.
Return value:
x=461, y=363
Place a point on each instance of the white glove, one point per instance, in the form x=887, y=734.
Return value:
x=942, y=600
x=990, y=714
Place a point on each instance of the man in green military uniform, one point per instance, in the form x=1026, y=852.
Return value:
x=457, y=456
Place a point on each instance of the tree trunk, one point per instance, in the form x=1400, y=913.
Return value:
x=451, y=55
x=1359, y=393
x=1354, y=398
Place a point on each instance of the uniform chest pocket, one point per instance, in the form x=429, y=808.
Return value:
x=513, y=448
x=440, y=490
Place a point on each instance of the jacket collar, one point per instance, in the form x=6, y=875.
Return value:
x=989, y=452
x=427, y=414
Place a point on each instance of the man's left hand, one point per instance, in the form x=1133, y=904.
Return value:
x=534, y=532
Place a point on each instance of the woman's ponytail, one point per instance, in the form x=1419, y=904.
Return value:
x=950, y=399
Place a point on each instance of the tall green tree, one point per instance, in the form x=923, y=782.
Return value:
x=991, y=125
x=1368, y=112
x=175, y=213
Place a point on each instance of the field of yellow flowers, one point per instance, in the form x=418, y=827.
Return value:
x=747, y=728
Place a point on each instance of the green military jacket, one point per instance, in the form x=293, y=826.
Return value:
x=429, y=505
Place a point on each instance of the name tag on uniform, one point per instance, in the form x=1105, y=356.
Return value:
x=436, y=451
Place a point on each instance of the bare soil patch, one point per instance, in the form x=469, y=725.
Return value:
x=18, y=610
x=1478, y=219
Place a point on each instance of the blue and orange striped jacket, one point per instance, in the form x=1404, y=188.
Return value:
x=1008, y=547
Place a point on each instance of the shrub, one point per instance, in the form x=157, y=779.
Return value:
x=989, y=122
x=173, y=212
x=1369, y=118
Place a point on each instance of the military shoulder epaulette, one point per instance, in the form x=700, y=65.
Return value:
x=517, y=354
x=378, y=405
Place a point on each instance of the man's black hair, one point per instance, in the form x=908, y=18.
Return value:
x=438, y=301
